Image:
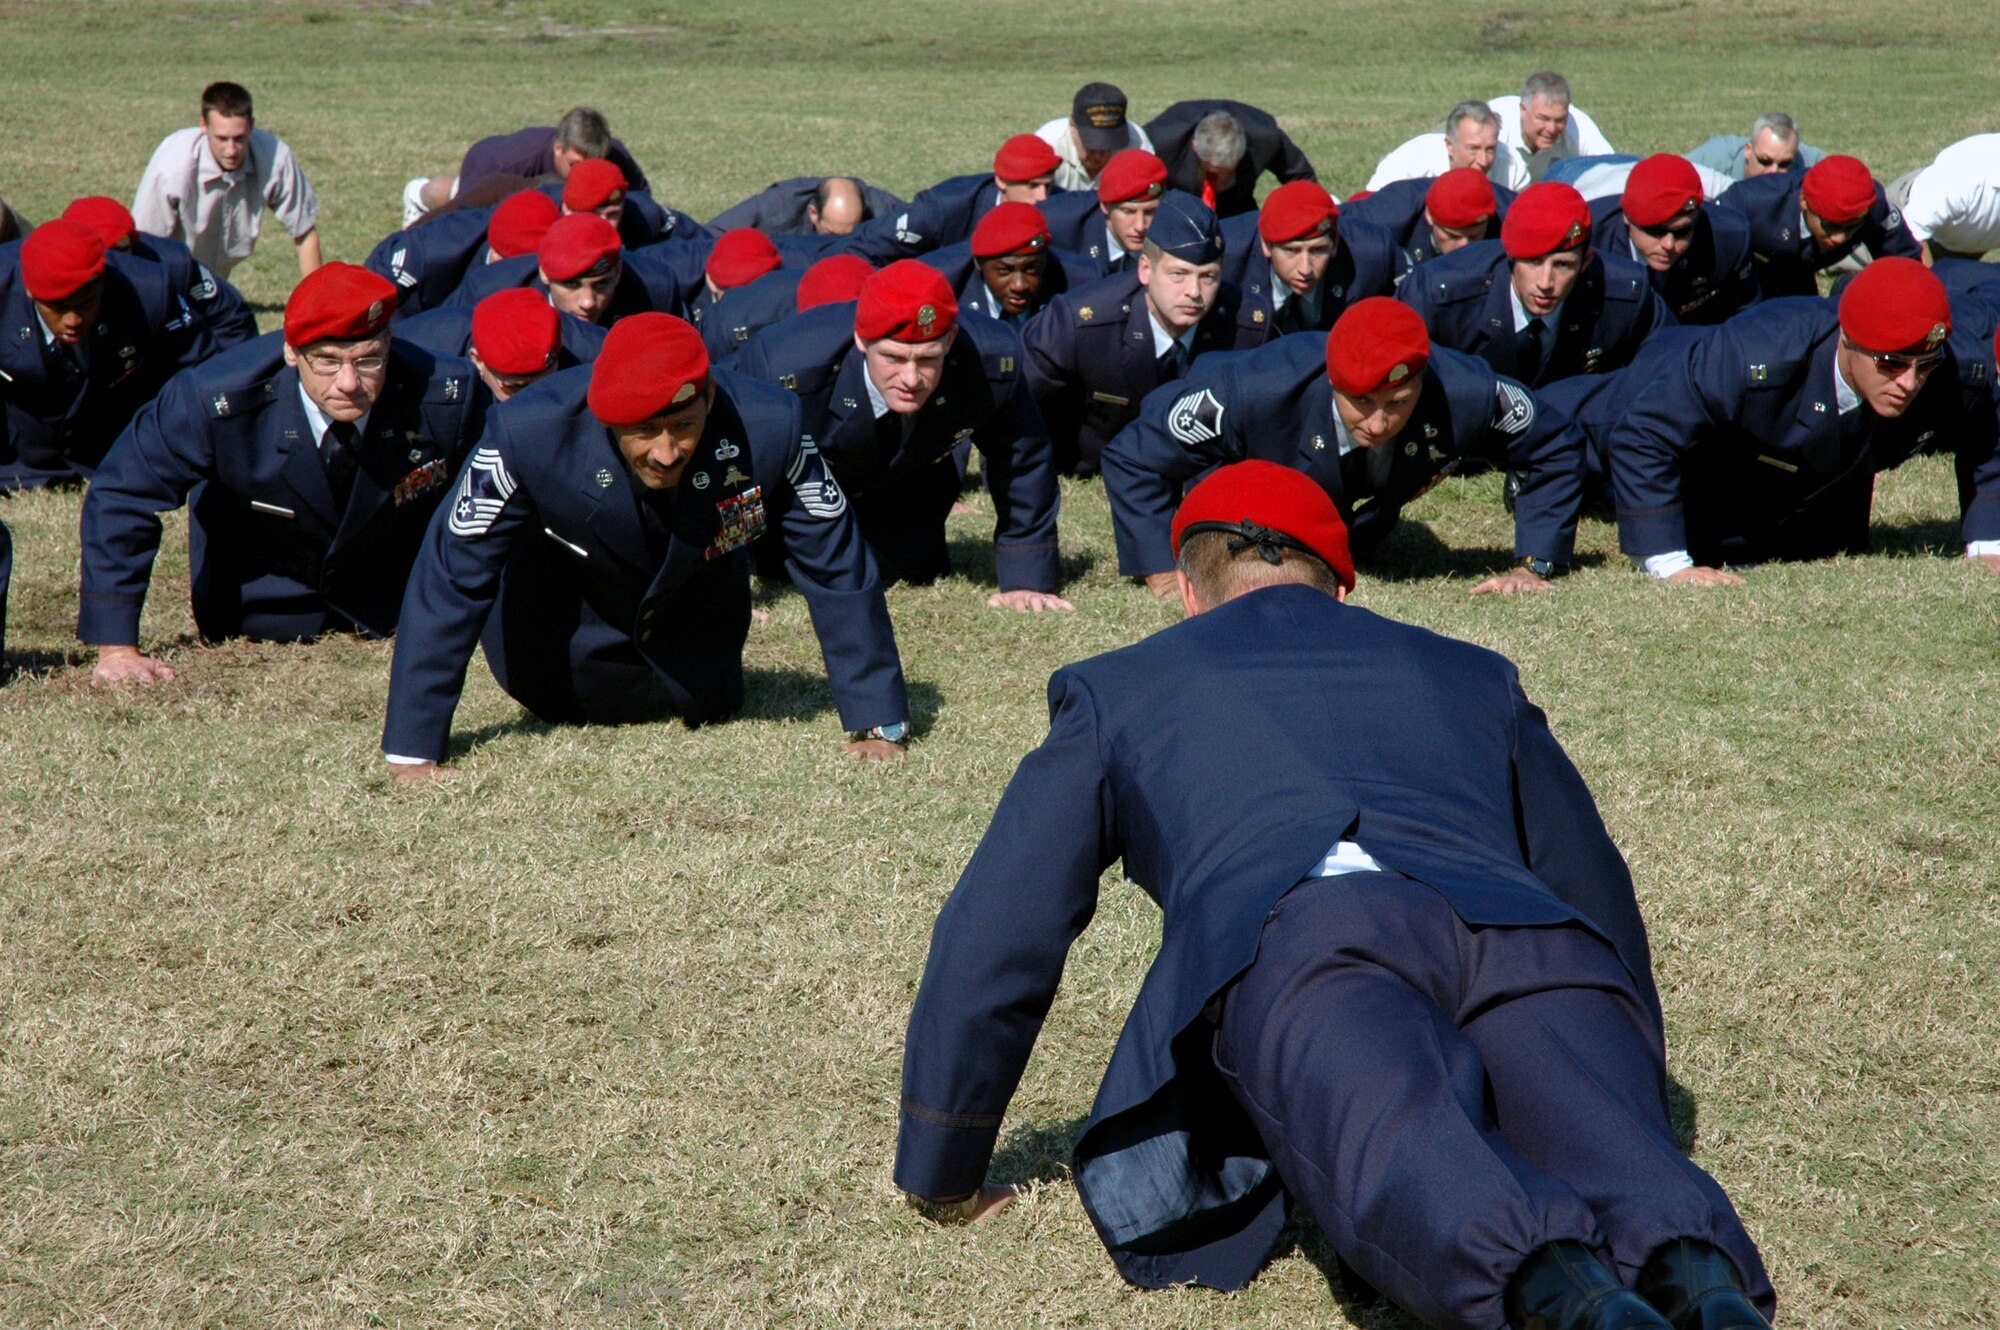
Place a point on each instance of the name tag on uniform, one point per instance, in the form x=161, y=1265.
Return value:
x=578, y=550
x=742, y=522
x=271, y=508
x=1112, y=400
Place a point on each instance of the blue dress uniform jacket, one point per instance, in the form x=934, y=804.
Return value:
x=60, y=418
x=1090, y=361
x=1218, y=800
x=1716, y=277
x=644, y=287
x=1398, y=208
x=1363, y=265
x=271, y=555
x=1787, y=257
x=647, y=582
x=1063, y=271
x=1266, y=148
x=1275, y=403
x=903, y=488
x=219, y=307
x=943, y=214
x=448, y=332
x=644, y=220
x=429, y=262
x=1467, y=302
x=1076, y=226
x=1732, y=446
x=728, y=321
x=780, y=208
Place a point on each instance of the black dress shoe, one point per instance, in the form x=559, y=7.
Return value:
x=1695, y=1286
x=1563, y=1287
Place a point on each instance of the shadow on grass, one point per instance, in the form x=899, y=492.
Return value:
x=1413, y=553
x=29, y=664
x=1927, y=538
x=972, y=559
x=1037, y=1154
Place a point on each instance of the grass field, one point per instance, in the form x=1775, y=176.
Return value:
x=606, y=1031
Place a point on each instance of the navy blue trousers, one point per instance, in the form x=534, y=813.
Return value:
x=6, y=576
x=1446, y=1099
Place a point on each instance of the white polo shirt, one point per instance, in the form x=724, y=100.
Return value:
x=185, y=195
x=1424, y=158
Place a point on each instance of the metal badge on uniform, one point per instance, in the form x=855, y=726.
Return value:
x=221, y=404
x=451, y=390
x=1319, y=442
x=25, y=334
x=1430, y=430
x=1256, y=316
x=1760, y=373
x=726, y=450
x=849, y=403
x=416, y=454
x=1006, y=364
x=1410, y=448
x=430, y=476
x=1785, y=234
x=603, y=478
x=735, y=477
x=699, y=480
x=742, y=522
x=1820, y=407
x=1338, y=291
x=1084, y=312
x=964, y=434
x=1590, y=359
x=1769, y=460
x=1437, y=453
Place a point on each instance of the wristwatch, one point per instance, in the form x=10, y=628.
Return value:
x=1539, y=567
x=944, y=1212
x=895, y=732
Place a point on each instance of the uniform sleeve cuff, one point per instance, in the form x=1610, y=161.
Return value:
x=1981, y=549
x=1666, y=565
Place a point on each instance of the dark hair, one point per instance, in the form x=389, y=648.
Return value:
x=1218, y=575
x=227, y=100
x=584, y=130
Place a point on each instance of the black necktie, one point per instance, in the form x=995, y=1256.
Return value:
x=1172, y=362
x=340, y=453
x=1354, y=474
x=1854, y=430
x=1529, y=360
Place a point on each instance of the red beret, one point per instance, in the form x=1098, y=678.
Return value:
x=1660, y=188
x=1132, y=174
x=595, y=182
x=1461, y=198
x=908, y=301
x=1838, y=189
x=740, y=257
x=833, y=281
x=1248, y=498
x=1010, y=228
x=1895, y=304
x=576, y=245
x=1297, y=211
x=341, y=302
x=519, y=223
x=60, y=258
x=1025, y=157
x=1376, y=343
x=111, y=219
x=649, y=365
x=516, y=331
x=1545, y=218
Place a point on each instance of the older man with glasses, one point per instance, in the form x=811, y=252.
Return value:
x=315, y=457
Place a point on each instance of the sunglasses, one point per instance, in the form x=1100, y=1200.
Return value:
x=1684, y=232
x=1895, y=366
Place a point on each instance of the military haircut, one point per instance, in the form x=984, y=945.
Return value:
x=1218, y=575
x=584, y=130
x=1545, y=85
x=1219, y=139
x=1478, y=112
x=227, y=100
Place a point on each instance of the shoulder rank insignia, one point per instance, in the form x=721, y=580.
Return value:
x=1760, y=373
x=726, y=450
x=221, y=403
x=451, y=389
x=1084, y=312
x=790, y=381
x=1006, y=364
x=734, y=477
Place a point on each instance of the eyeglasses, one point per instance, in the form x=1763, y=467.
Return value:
x=1896, y=366
x=1683, y=232
x=321, y=363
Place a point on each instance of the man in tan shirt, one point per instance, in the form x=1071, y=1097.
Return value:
x=209, y=186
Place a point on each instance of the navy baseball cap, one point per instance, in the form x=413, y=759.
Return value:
x=1186, y=228
x=1099, y=112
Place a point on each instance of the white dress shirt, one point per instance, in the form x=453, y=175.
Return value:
x=1955, y=201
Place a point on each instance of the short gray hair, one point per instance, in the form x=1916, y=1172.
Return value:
x=1545, y=85
x=1478, y=112
x=1218, y=139
x=1778, y=123
x=584, y=130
